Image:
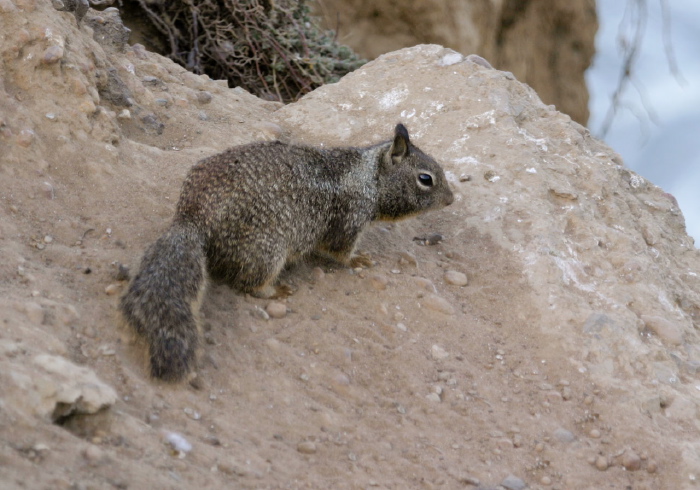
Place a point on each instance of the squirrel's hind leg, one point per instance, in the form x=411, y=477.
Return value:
x=259, y=278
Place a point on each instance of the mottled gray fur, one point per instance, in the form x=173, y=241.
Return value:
x=244, y=213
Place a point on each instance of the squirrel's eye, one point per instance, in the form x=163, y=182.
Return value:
x=425, y=179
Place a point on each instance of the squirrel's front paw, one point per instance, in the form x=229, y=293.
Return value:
x=361, y=260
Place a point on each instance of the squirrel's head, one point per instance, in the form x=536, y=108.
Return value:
x=410, y=181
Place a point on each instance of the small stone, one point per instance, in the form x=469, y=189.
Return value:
x=664, y=329
x=513, y=483
x=594, y=433
x=25, y=138
x=7, y=6
x=402, y=327
x=112, y=289
x=273, y=344
x=93, y=454
x=631, y=460
x=407, y=258
x=191, y=413
x=553, y=397
x=433, y=397
x=545, y=480
x=35, y=312
x=178, y=442
x=601, y=462
x=456, y=278
x=276, y=309
x=425, y=284
x=162, y=102
x=204, y=97
x=436, y=303
x=48, y=239
x=563, y=435
x=438, y=353
x=651, y=466
x=258, y=312
x=124, y=114
x=317, y=274
x=379, y=282
x=306, y=447
x=52, y=54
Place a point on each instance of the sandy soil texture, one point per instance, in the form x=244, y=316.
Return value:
x=547, y=340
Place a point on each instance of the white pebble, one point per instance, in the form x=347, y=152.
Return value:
x=178, y=442
x=456, y=278
x=438, y=353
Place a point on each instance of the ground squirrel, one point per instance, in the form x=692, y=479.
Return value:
x=244, y=213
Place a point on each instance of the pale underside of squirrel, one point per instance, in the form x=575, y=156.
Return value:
x=245, y=213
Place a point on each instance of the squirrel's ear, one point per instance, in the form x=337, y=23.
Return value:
x=399, y=149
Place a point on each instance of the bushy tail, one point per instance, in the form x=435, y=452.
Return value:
x=162, y=301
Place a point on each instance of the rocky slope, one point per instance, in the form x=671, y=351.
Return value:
x=547, y=340
x=548, y=45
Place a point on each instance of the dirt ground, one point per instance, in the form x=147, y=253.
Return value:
x=568, y=360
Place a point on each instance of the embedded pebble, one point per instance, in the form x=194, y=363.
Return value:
x=178, y=442
x=436, y=303
x=93, y=454
x=426, y=284
x=545, y=480
x=7, y=6
x=456, y=278
x=306, y=447
x=563, y=435
x=601, y=462
x=258, y=312
x=513, y=483
x=35, y=312
x=433, y=397
x=276, y=309
x=317, y=274
x=191, y=413
x=631, y=460
x=407, y=258
x=52, y=54
x=273, y=344
x=379, y=282
x=25, y=138
x=438, y=353
x=112, y=289
x=667, y=331
x=594, y=433
x=204, y=97
x=124, y=114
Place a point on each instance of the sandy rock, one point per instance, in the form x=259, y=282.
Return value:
x=276, y=309
x=65, y=388
x=307, y=447
x=439, y=304
x=52, y=54
x=379, y=282
x=438, y=353
x=456, y=278
x=513, y=483
x=666, y=330
x=631, y=460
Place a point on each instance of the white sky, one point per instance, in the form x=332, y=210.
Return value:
x=667, y=152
